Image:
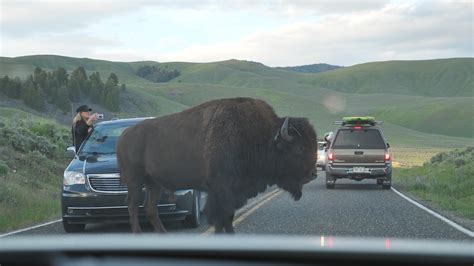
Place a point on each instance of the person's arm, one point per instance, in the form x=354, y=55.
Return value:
x=91, y=119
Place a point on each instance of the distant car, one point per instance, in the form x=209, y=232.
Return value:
x=359, y=151
x=321, y=162
x=92, y=191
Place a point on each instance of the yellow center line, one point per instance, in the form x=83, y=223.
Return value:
x=247, y=213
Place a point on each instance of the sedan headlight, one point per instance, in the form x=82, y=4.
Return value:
x=73, y=178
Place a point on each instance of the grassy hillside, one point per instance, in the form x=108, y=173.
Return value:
x=447, y=116
x=440, y=77
x=12, y=66
x=287, y=90
x=31, y=165
x=445, y=181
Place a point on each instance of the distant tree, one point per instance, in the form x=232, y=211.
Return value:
x=96, y=87
x=145, y=71
x=157, y=74
x=74, y=89
x=39, y=77
x=112, y=93
x=79, y=75
x=112, y=100
x=61, y=76
x=32, y=96
x=11, y=87
x=47, y=86
x=5, y=85
x=15, y=88
x=113, y=78
x=60, y=89
x=62, y=99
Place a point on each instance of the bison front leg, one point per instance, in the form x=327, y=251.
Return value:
x=229, y=226
x=133, y=207
x=220, y=211
x=153, y=194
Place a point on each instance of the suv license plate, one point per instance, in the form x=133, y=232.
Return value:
x=358, y=169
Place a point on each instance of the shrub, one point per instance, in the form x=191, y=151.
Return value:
x=24, y=140
x=44, y=129
x=3, y=168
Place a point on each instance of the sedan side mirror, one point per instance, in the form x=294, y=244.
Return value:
x=388, y=145
x=71, y=151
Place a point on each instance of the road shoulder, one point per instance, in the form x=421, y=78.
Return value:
x=464, y=222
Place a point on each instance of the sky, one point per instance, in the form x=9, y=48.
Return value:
x=275, y=33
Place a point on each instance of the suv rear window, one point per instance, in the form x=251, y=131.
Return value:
x=359, y=139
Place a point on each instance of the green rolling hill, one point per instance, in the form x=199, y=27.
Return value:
x=405, y=101
x=439, y=77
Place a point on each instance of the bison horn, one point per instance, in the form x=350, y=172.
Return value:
x=284, y=130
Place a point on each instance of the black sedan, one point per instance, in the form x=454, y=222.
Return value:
x=93, y=193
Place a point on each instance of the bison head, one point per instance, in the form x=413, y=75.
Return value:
x=296, y=147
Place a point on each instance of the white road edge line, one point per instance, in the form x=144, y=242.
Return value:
x=437, y=215
x=249, y=210
x=30, y=228
x=210, y=230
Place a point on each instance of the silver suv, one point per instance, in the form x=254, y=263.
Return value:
x=321, y=162
x=359, y=151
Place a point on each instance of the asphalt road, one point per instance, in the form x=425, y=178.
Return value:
x=357, y=209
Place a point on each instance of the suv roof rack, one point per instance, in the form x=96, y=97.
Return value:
x=358, y=120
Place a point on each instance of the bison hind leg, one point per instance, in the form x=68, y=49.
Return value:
x=152, y=195
x=133, y=199
x=133, y=177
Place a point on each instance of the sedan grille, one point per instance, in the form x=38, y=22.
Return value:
x=107, y=183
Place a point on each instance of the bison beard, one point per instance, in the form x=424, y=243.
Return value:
x=231, y=148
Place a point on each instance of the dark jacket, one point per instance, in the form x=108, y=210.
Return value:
x=79, y=133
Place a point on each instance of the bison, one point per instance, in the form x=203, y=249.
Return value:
x=231, y=148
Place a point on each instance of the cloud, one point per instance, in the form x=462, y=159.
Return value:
x=21, y=18
x=324, y=7
x=295, y=33
x=396, y=31
x=75, y=45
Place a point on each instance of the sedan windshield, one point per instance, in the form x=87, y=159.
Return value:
x=103, y=140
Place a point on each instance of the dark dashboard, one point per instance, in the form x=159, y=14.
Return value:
x=153, y=249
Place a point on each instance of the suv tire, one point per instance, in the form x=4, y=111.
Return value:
x=330, y=181
x=389, y=184
x=72, y=228
x=193, y=220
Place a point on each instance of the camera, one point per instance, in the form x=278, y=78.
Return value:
x=100, y=116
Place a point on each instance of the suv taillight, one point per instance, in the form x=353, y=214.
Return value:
x=330, y=156
x=387, y=156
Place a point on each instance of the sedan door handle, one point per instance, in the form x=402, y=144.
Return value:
x=358, y=152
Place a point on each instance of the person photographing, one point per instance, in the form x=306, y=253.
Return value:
x=82, y=125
